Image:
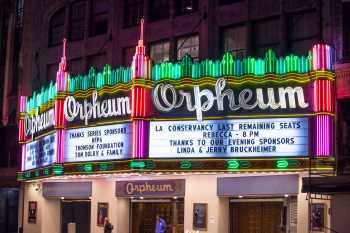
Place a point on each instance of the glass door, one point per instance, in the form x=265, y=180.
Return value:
x=144, y=213
x=252, y=217
x=75, y=212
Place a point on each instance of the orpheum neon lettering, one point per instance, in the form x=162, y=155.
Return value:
x=95, y=109
x=39, y=122
x=166, y=98
x=148, y=188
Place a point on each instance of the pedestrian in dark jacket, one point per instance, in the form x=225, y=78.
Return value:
x=108, y=227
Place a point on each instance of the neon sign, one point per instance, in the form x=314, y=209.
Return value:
x=95, y=109
x=39, y=122
x=166, y=98
x=229, y=138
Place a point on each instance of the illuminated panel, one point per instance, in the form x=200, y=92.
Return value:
x=229, y=138
x=322, y=57
x=40, y=153
x=323, y=96
x=109, y=142
x=324, y=135
x=140, y=100
x=140, y=138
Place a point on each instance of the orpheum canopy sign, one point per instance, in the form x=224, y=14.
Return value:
x=229, y=108
x=224, y=99
x=85, y=111
x=153, y=188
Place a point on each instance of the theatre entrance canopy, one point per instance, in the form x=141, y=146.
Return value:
x=228, y=115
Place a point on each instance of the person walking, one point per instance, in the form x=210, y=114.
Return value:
x=108, y=227
x=160, y=225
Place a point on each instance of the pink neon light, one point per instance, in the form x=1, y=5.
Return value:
x=322, y=59
x=22, y=105
x=323, y=91
x=328, y=52
x=140, y=139
x=323, y=135
x=317, y=136
x=23, y=157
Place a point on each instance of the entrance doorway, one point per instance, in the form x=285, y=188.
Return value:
x=255, y=216
x=144, y=214
x=75, y=212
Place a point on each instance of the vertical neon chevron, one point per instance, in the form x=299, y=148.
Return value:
x=140, y=99
x=23, y=148
x=322, y=57
x=140, y=139
x=323, y=102
x=323, y=96
x=323, y=135
x=22, y=110
x=61, y=87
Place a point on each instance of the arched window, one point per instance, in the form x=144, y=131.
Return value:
x=57, y=27
x=77, y=20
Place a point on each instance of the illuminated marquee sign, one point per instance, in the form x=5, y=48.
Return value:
x=151, y=188
x=234, y=109
x=41, y=152
x=229, y=138
x=170, y=101
x=98, y=143
x=39, y=122
x=95, y=109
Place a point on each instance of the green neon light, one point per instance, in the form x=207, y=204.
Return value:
x=106, y=77
x=282, y=164
x=20, y=176
x=39, y=98
x=46, y=172
x=105, y=166
x=229, y=66
x=233, y=164
x=57, y=169
x=185, y=164
x=88, y=167
x=37, y=173
x=137, y=164
x=27, y=174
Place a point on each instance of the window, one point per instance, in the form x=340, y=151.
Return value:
x=97, y=61
x=133, y=12
x=56, y=27
x=188, y=44
x=128, y=54
x=303, y=31
x=235, y=41
x=99, y=17
x=160, y=52
x=346, y=28
x=186, y=6
x=225, y=2
x=158, y=9
x=77, y=20
x=266, y=34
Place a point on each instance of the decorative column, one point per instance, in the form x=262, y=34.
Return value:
x=61, y=87
x=323, y=104
x=140, y=99
x=21, y=128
